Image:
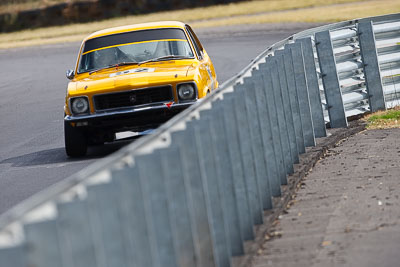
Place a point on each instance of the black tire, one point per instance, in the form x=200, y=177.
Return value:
x=75, y=141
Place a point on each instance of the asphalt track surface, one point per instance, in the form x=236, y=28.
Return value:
x=32, y=91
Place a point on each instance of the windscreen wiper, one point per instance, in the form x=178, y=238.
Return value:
x=114, y=65
x=169, y=57
x=125, y=63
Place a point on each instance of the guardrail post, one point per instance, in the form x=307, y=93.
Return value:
x=313, y=87
x=330, y=80
x=133, y=217
x=273, y=170
x=248, y=160
x=294, y=100
x=156, y=209
x=277, y=96
x=230, y=123
x=213, y=193
x=181, y=226
x=223, y=163
x=196, y=196
x=75, y=232
x=13, y=256
x=279, y=57
x=267, y=86
x=302, y=93
x=248, y=97
x=372, y=73
x=43, y=244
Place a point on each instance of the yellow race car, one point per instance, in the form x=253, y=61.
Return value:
x=133, y=78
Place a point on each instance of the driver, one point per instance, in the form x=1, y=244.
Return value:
x=106, y=57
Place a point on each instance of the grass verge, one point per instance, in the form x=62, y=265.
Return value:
x=384, y=119
x=328, y=14
x=249, y=12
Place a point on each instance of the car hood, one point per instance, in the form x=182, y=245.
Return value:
x=131, y=77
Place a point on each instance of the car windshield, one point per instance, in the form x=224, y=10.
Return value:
x=134, y=47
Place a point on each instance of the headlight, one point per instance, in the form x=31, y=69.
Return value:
x=79, y=105
x=186, y=91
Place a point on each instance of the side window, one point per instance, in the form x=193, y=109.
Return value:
x=195, y=43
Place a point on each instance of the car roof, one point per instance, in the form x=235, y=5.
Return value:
x=136, y=27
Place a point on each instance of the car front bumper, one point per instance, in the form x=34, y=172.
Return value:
x=132, y=119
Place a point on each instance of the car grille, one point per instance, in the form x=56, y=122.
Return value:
x=133, y=98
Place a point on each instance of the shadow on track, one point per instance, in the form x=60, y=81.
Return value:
x=57, y=155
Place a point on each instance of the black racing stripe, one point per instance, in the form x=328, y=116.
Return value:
x=132, y=37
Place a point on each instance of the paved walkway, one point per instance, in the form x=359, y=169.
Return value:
x=347, y=211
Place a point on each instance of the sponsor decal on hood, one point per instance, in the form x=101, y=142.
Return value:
x=132, y=71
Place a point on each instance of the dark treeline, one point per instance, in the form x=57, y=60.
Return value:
x=70, y=12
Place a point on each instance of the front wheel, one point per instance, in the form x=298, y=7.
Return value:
x=75, y=141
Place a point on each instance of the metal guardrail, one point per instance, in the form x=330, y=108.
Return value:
x=190, y=194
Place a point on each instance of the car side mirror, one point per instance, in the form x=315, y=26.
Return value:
x=70, y=74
